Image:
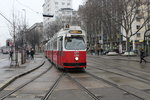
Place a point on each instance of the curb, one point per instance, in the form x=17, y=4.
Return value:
x=10, y=80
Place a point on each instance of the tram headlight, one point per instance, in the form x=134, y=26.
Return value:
x=76, y=58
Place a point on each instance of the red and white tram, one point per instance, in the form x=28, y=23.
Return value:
x=67, y=48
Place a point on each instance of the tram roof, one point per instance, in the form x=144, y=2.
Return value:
x=65, y=31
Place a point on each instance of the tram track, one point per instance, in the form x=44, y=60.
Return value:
x=114, y=85
x=24, y=84
x=20, y=75
x=140, y=78
x=50, y=91
x=93, y=95
x=131, y=73
x=83, y=88
x=117, y=64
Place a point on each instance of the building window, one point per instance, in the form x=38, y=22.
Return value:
x=68, y=4
x=137, y=27
x=56, y=3
x=138, y=19
x=138, y=34
x=138, y=11
x=56, y=7
x=63, y=3
x=148, y=26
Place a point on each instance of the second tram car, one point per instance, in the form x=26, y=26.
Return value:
x=67, y=48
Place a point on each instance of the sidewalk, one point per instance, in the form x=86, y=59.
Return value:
x=12, y=73
x=127, y=58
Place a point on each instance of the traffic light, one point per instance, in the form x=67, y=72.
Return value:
x=7, y=43
x=47, y=15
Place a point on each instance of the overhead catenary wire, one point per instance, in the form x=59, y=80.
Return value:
x=28, y=7
x=6, y=18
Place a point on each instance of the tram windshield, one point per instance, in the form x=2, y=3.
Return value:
x=75, y=43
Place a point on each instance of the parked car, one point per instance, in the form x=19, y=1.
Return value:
x=5, y=50
x=105, y=52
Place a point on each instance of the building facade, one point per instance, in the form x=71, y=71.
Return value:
x=67, y=16
x=51, y=7
x=35, y=36
x=138, y=27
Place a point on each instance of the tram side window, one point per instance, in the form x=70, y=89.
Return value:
x=51, y=46
x=48, y=46
x=55, y=45
x=60, y=44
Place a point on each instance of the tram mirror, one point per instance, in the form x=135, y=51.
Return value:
x=61, y=39
x=68, y=35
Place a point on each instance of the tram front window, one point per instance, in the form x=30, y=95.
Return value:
x=75, y=43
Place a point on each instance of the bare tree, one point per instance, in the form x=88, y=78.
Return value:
x=110, y=17
x=14, y=28
x=34, y=36
x=129, y=11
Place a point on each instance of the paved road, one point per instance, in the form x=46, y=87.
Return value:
x=4, y=64
x=105, y=78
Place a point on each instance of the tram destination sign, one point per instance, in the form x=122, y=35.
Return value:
x=75, y=31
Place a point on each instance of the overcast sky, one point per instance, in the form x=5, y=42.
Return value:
x=33, y=10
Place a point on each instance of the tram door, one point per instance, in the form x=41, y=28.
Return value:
x=60, y=51
x=148, y=45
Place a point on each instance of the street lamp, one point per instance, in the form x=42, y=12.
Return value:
x=146, y=35
x=23, y=56
x=24, y=16
x=14, y=37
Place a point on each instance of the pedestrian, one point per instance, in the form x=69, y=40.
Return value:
x=90, y=50
x=32, y=53
x=93, y=50
x=142, y=55
x=97, y=48
x=101, y=51
x=28, y=53
x=11, y=54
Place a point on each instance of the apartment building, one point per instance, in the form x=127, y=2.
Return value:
x=137, y=40
x=51, y=7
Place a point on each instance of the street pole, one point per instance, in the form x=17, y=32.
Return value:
x=13, y=24
x=24, y=16
x=145, y=42
x=15, y=46
x=23, y=55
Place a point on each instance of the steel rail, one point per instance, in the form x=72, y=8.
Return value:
x=117, y=64
x=85, y=89
x=113, y=84
x=23, y=74
x=141, y=79
x=129, y=72
x=21, y=86
x=46, y=97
